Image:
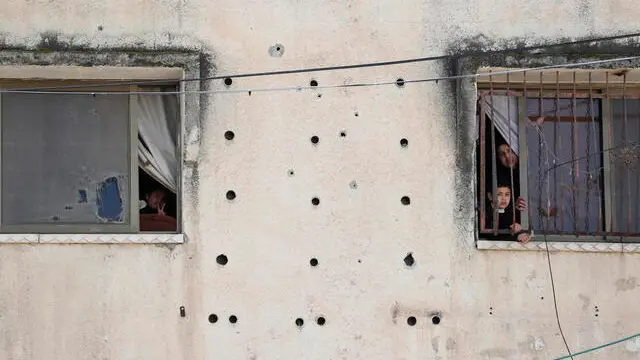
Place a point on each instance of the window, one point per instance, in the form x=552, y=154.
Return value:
x=568, y=143
x=80, y=161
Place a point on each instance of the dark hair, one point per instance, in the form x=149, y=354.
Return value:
x=503, y=185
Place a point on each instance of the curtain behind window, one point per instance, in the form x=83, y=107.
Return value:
x=157, y=128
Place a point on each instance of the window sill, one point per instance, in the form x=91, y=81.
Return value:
x=559, y=246
x=145, y=238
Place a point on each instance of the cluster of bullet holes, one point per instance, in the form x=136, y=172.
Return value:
x=490, y=310
x=319, y=320
x=412, y=321
x=213, y=318
x=597, y=311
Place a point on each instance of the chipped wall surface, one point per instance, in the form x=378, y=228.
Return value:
x=356, y=300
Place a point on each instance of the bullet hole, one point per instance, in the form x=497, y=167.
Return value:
x=100, y=28
x=541, y=297
x=400, y=82
x=435, y=320
x=93, y=94
x=490, y=311
x=315, y=139
x=233, y=319
x=404, y=142
x=228, y=81
x=315, y=201
x=231, y=195
x=319, y=96
x=356, y=114
x=299, y=322
x=249, y=92
x=222, y=259
x=291, y=172
x=313, y=83
x=411, y=320
x=183, y=312
x=276, y=50
x=405, y=200
x=408, y=260
x=229, y=135
x=353, y=184
x=343, y=134
x=359, y=261
x=321, y=321
x=213, y=318
x=313, y=262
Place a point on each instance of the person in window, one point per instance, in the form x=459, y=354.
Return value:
x=153, y=216
x=502, y=208
x=506, y=165
x=155, y=203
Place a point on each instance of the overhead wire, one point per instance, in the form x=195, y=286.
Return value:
x=299, y=88
x=360, y=65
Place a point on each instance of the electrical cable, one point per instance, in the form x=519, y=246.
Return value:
x=299, y=88
x=361, y=65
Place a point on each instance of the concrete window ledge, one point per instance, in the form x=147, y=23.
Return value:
x=145, y=238
x=559, y=246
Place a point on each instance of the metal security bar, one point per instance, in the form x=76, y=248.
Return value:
x=569, y=148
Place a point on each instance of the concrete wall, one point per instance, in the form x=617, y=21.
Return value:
x=122, y=301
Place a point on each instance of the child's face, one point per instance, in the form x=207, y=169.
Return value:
x=504, y=197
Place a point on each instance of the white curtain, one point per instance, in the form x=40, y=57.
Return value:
x=159, y=157
x=503, y=111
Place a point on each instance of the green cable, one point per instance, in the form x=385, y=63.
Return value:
x=598, y=347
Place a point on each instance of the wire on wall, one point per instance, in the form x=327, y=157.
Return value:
x=52, y=89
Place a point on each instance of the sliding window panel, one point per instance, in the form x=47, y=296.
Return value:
x=66, y=162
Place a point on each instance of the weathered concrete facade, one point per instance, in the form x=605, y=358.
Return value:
x=89, y=301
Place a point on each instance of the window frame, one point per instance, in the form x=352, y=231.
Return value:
x=603, y=87
x=75, y=75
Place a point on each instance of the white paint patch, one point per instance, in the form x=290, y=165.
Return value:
x=538, y=343
x=633, y=345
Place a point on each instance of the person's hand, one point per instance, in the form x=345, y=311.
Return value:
x=524, y=238
x=521, y=204
x=161, y=209
x=515, y=228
